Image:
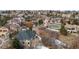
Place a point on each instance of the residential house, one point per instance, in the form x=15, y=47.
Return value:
x=55, y=20
x=71, y=28
x=46, y=22
x=66, y=15
x=4, y=32
x=14, y=24
x=27, y=37
x=4, y=37
x=14, y=27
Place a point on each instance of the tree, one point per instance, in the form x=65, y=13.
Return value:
x=75, y=21
x=4, y=20
x=8, y=17
x=63, y=30
x=40, y=22
x=62, y=21
x=16, y=44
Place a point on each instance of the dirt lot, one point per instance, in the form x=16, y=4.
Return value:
x=70, y=40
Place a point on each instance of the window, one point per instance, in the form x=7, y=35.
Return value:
x=69, y=28
x=4, y=30
x=73, y=28
x=0, y=30
x=3, y=35
x=36, y=36
x=28, y=43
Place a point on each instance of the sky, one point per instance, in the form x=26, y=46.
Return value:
x=39, y=4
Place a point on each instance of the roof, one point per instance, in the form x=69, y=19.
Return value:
x=3, y=30
x=55, y=26
x=26, y=35
x=70, y=26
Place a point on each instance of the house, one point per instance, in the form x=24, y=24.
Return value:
x=14, y=20
x=14, y=24
x=13, y=27
x=27, y=37
x=4, y=37
x=66, y=15
x=71, y=28
x=55, y=20
x=17, y=19
x=4, y=32
x=29, y=24
x=46, y=22
x=48, y=37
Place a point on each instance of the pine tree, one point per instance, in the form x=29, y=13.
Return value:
x=63, y=30
x=16, y=44
x=40, y=22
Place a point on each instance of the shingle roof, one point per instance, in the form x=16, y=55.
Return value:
x=26, y=35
